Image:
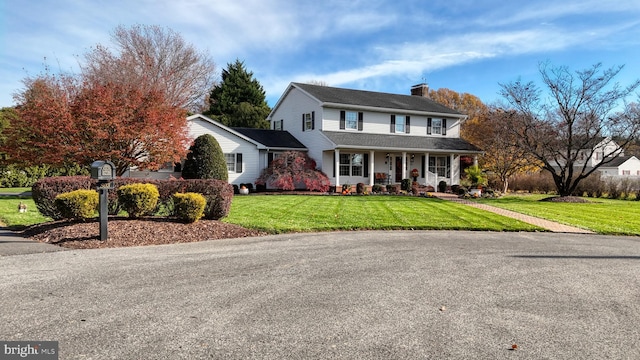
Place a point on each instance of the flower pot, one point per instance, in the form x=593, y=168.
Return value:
x=244, y=191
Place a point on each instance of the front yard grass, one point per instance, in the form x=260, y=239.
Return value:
x=297, y=213
x=9, y=215
x=604, y=216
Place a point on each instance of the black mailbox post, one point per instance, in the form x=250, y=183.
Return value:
x=104, y=172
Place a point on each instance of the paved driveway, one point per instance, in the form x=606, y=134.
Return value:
x=352, y=295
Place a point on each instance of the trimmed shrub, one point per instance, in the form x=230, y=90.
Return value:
x=294, y=170
x=77, y=204
x=218, y=194
x=138, y=199
x=189, y=206
x=44, y=192
x=405, y=184
x=360, y=188
x=205, y=160
x=377, y=188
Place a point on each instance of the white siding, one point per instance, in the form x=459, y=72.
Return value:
x=231, y=143
x=290, y=110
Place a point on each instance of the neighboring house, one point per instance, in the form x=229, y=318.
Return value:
x=371, y=137
x=621, y=166
x=617, y=163
x=247, y=151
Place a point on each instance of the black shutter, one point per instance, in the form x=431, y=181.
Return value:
x=393, y=123
x=366, y=165
x=282, y=124
x=360, y=120
x=342, y=121
x=428, y=126
x=239, y=163
x=444, y=126
x=269, y=159
x=313, y=120
x=424, y=160
x=408, y=124
x=302, y=122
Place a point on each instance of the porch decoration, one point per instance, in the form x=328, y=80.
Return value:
x=415, y=173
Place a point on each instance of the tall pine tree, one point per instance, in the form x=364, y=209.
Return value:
x=239, y=100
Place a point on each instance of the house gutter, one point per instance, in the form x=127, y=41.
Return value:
x=391, y=110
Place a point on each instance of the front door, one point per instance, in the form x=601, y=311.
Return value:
x=398, y=169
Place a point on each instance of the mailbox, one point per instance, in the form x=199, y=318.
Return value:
x=103, y=170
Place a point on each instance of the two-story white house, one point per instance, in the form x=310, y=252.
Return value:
x=372, y=137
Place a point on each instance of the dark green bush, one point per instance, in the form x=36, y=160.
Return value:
x=205, y=160
x=360, y=188
x=77, y=204
x=405, y=184
x=442, y=186
x=377, y=188
x=189, y=206
x=138, y=199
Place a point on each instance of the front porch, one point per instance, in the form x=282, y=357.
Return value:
x=352, y=166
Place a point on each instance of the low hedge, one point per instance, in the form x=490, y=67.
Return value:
x=218, y=193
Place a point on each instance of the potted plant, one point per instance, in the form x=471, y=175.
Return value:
x=414, y=174
x=243, y=189
x=476, y=179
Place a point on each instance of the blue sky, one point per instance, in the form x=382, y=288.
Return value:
x=464, y=45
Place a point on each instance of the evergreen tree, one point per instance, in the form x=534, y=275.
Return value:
x=205, y=160
x=239, y=100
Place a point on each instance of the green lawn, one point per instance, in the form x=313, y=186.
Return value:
x=292, y=213
x=9, y=215
x=604, y=216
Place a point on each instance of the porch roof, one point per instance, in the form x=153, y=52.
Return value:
x=343, y=139
x=273, y=139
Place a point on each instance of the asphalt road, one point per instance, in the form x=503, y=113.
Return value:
x=350, y=295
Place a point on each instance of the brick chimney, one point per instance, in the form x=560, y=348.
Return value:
x=420, y=90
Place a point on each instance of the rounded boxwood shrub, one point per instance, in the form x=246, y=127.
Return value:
x=189, y=206
x=78, y=204
x=138, y=199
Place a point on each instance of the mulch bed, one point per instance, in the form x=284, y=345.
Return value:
x=133, y=232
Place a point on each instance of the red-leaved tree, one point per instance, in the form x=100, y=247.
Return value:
x=294, y=170
x=62, y=121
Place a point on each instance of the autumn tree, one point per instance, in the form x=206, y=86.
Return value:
x=464, y=103
x=570, y=121
x=205, y=160
x=239, y=100
x=502, y=156
x=152, y=58
x=62, y=120
x=294, y=170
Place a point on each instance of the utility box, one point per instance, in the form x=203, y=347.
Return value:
x=103, y=170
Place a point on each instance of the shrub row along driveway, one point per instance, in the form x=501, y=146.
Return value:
x=351, y=295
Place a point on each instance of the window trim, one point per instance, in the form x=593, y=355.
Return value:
x=237, y=162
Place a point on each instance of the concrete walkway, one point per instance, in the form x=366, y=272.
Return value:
x=12, y=243
x=545, y=224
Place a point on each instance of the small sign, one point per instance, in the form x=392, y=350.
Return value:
x=34, y=350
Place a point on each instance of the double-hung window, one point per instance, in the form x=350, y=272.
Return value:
x=351, y=164
x=308, y=121
x=436, y=126
x=234, y=162
x=351, y=120
x=400, y=124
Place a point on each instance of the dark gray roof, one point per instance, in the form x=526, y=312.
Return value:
x=406, y=142
x=271, y=138
x=328, y=94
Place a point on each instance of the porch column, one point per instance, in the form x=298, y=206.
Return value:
x=404, y=165
x=336, y=159
x=451, y=172
x=371, y=168
x=426, y=168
